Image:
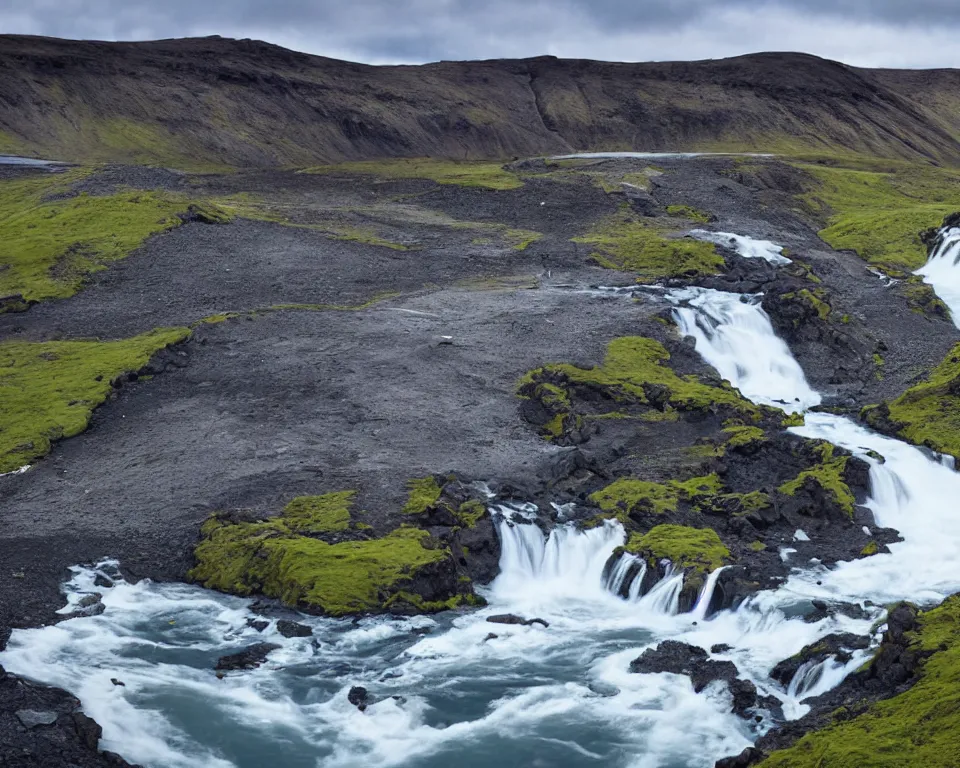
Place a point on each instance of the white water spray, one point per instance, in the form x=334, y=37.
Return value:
x=748, y=247
x=942, y=270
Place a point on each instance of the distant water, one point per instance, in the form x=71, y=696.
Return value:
x=654, y=155
x=14, y=160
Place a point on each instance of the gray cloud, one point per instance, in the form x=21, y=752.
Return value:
x=863, y=32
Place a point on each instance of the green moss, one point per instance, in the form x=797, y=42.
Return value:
x=698, y=549
x=308, y=573
x=424, y=493
x=319, y=514
x=631, y=364
x=470, y=512
x=688, y=212
x=880, y=214
x=486, y=175
x=49, y=246
x=829, y=475
x=815, y=299
x=628, y=495
x=48, y=390
x=793, y=420
x=757, y=546
x=919, y=728
x=740, y=437
x=921, y=297
x=929, y=413
x=629, y=243
x=870, y=549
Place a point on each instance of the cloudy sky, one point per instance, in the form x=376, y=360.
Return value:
x=892, y=33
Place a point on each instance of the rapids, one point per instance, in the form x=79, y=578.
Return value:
x=454, y=687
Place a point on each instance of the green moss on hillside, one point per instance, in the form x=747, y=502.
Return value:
x=829, y=475
x=48, y=246
x=424, y=493
x=634, y=372
x=688, y=212
x=629, y=243
x=49, y=389
x=881, y=213
x=487, y=175
x=929, y=413
x=275, y=559
x=629, y=495
x=698, y=549
x=917, y=729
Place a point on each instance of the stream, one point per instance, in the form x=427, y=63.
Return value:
x=531, y=696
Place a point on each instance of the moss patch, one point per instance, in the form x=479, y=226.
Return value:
x=629, y=495
x=928, y=413
x=919, y=728
x=49, y=389
x=285, y=558
x=881, y=213
x=829, y=475
x=698, y=549
x=632, y=244
x=49, y=246
x=688, y=212
x=486, y=175
x=424, y=493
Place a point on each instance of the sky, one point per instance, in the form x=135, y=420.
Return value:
x=868, y=33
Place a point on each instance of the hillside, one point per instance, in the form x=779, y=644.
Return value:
x=214, y=102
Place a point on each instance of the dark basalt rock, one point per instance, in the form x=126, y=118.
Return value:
x=682, y=659
x=509, y=618
x=293, y=629
x=249, y=658
x=359, y=697
x=838, y=645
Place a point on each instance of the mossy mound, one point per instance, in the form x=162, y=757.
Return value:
x=920, y=727
x=635, y=379
x=49, y=389
x=52, y=241
x=628, y=495
x=312, y=557
x=695, y=549
x=829, y=476
x=928, y=413
x=630, y=243
x=882, y=213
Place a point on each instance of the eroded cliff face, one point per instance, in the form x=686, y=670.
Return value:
x=213, y=102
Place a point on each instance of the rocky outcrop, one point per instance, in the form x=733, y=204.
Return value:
x=248, y=658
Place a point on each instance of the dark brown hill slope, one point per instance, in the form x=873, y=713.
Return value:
x=216, y=101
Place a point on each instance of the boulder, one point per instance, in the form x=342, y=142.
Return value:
x=293, y=629
x=248, y=658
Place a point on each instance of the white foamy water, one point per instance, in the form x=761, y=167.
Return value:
x=942, y=270
x=748, y=247
x=484, y=694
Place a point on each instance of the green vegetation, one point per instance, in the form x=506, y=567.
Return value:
x=815, y=300
x=630, y=243
x=49, y=245
x=282, y=558
x=633, y=373
x=698, y=549
x=628, y=495
x=870, y=549
x=487, y=175
x=881, y=213
x=741, y=437
x=916, y=729
x=829, y=475
x=688, y=212
x=49, y=389
x=424, y=493
x=928, y=413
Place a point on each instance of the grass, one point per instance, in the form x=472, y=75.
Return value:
x=697, y=549
x=929, y=412
x=629, y=243
x=49, y=246
x=916, y=729
x=49, y=389
x=881, y=213
x=283, y=558
x=484, y=175
x=688, y=212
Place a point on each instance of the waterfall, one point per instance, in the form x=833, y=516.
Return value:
x=631, y=567
x=734, y=335
x=942, y=270
x=748, y=247
x=706, y=595
x=664, y=598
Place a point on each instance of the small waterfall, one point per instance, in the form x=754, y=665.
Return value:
x=748, y=247
x=942, y=270
x=628, y=566
x=706, y=595
x=665, y=596
x=734, y=335
x=806, y=677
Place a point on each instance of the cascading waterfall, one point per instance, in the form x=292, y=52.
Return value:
x=748, y=247
x=456, y=687
x=942, y=270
